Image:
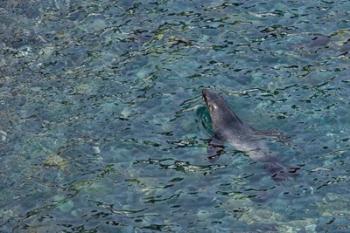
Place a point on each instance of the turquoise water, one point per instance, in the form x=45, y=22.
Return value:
x=103, y=129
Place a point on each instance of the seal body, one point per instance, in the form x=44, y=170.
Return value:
x=228, y=127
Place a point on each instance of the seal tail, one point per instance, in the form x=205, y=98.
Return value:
x=280, y=172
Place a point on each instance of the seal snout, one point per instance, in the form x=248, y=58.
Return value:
x=208, y=95
x=205, y=94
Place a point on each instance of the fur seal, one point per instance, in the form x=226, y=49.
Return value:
x=228, y=127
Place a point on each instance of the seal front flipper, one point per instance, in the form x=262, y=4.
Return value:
x=215, y=149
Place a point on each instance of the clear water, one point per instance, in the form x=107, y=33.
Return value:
x=103, y=129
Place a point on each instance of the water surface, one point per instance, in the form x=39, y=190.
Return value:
x=102, y=127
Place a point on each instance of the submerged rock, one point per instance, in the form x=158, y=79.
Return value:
x=55, y=160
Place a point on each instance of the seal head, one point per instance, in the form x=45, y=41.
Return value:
x=221, y=115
